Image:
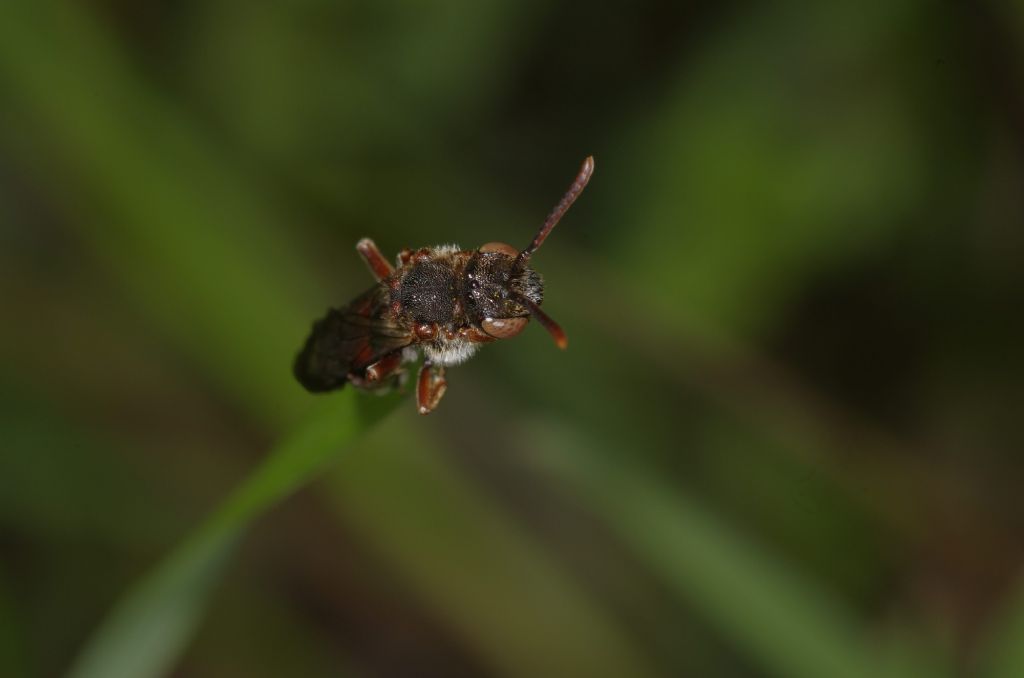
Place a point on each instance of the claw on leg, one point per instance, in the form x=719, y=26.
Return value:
x=430, y=387
x=379, y=266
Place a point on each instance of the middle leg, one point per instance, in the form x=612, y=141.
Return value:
x=430, y=386
x=383, y=368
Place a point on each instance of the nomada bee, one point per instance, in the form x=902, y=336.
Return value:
x=443, y=301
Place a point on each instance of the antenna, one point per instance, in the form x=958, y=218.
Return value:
x=586, y=170
x=553, y=328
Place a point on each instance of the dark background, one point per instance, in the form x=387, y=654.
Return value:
x=786, y=436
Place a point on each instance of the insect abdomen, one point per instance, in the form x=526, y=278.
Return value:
x=323, y=364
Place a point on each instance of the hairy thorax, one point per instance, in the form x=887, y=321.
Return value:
x=429, y=293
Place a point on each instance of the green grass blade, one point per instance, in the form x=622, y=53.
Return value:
x=781, y=621
x=150, y=626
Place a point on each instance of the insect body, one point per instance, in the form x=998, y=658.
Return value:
x=442, y=301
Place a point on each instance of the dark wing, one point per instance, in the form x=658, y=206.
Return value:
x=348, y=340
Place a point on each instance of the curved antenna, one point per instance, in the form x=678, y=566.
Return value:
x=553, y=328
x=586, y=170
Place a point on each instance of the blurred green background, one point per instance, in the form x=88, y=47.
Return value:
x=785, y=439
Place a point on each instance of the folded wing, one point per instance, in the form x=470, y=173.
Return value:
x=347, y=340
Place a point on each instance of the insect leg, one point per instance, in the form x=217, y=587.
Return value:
x=430, y=386
x=379, y=266
x=404, y=256
x=383, y=368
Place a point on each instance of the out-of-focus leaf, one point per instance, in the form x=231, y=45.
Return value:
x=148, y=628
x=489, y=582
x=201, y=253
x=776, y=617
x=291, y=79
x=76, y=470
x=1004, y=650
x=12, y=654
x=774, y=153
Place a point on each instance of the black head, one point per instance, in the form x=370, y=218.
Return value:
x=496, y=292
x=502, y=291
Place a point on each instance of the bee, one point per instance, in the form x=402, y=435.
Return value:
x=442, y=301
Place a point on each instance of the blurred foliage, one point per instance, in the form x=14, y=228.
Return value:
x=145, y=633
x=784, y=441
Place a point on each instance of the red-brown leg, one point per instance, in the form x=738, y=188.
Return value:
x=383, y=368
x=379, y=266
x=404, y=256
x=430, y=386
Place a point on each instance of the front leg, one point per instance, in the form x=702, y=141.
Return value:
x=379, y=266
x=430, y=386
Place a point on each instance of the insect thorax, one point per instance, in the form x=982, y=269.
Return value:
x=429, y=291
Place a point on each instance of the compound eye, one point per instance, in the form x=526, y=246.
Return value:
x=500, y=247
x=503, y=328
